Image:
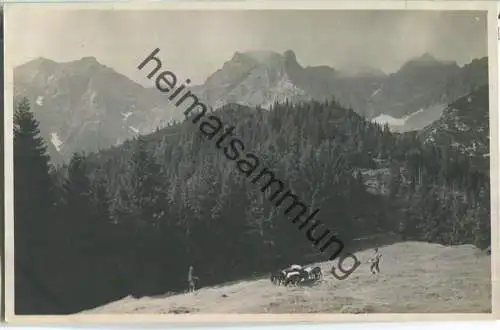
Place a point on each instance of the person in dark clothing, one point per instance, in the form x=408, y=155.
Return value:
x=375, y=260
x=191, y=280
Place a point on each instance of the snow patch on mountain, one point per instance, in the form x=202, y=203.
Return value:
x=135, y=130
x=39, y=101
x=375, y=92
x=414, y=121
x=56, y=141
x=383, y=119
x=126, y=115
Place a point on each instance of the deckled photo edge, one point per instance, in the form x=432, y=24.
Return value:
x=10, y=9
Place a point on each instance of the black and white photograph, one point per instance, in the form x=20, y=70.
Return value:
x=267, y=161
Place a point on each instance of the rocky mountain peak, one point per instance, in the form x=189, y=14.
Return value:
x=290, y=56
x=257, y=77
x=264, y=57
x=426, y=59
x=38, y=64
x=88, y=62
x=89, y=59
x=41, y=61
x=88, y=105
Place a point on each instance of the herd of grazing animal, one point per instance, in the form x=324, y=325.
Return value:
x=296, y=275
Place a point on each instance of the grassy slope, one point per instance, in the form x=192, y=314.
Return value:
x=415, y=277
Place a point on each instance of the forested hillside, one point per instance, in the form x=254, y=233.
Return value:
x=464, y=126
x=131, y=219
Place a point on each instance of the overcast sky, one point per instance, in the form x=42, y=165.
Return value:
x=194, y=44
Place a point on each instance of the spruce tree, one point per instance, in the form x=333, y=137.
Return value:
x=34, y=190
x=33, y=205
x=78, y=206
x=148, y=198
x=146, y=204
x=100, y=221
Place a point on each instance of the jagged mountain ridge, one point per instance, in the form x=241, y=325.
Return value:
x=253, y=78
x=261, y=78
x=425, y=82
x=85, y=106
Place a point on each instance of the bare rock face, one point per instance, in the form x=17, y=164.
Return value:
x=464, y=126
x=85, y=106
x=257, y=78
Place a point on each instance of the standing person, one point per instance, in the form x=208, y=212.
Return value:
x=191, y=280
x=374, y=267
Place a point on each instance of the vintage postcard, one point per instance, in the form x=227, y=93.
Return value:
x=244, y=162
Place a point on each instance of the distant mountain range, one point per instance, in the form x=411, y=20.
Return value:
x=84, y=105
x=424, y=85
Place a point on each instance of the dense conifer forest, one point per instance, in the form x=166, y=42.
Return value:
x=131, y=219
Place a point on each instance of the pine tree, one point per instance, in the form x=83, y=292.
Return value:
x=34, y=189
x=147, y=202
x=100, y=220
x=148, y=196
x=33, y=204
x=395, y=183
x=101, y=201
x=78, y=207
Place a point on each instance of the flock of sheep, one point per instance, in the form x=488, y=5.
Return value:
x=296, y=275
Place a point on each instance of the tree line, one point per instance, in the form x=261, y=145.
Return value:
x=131, y=219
